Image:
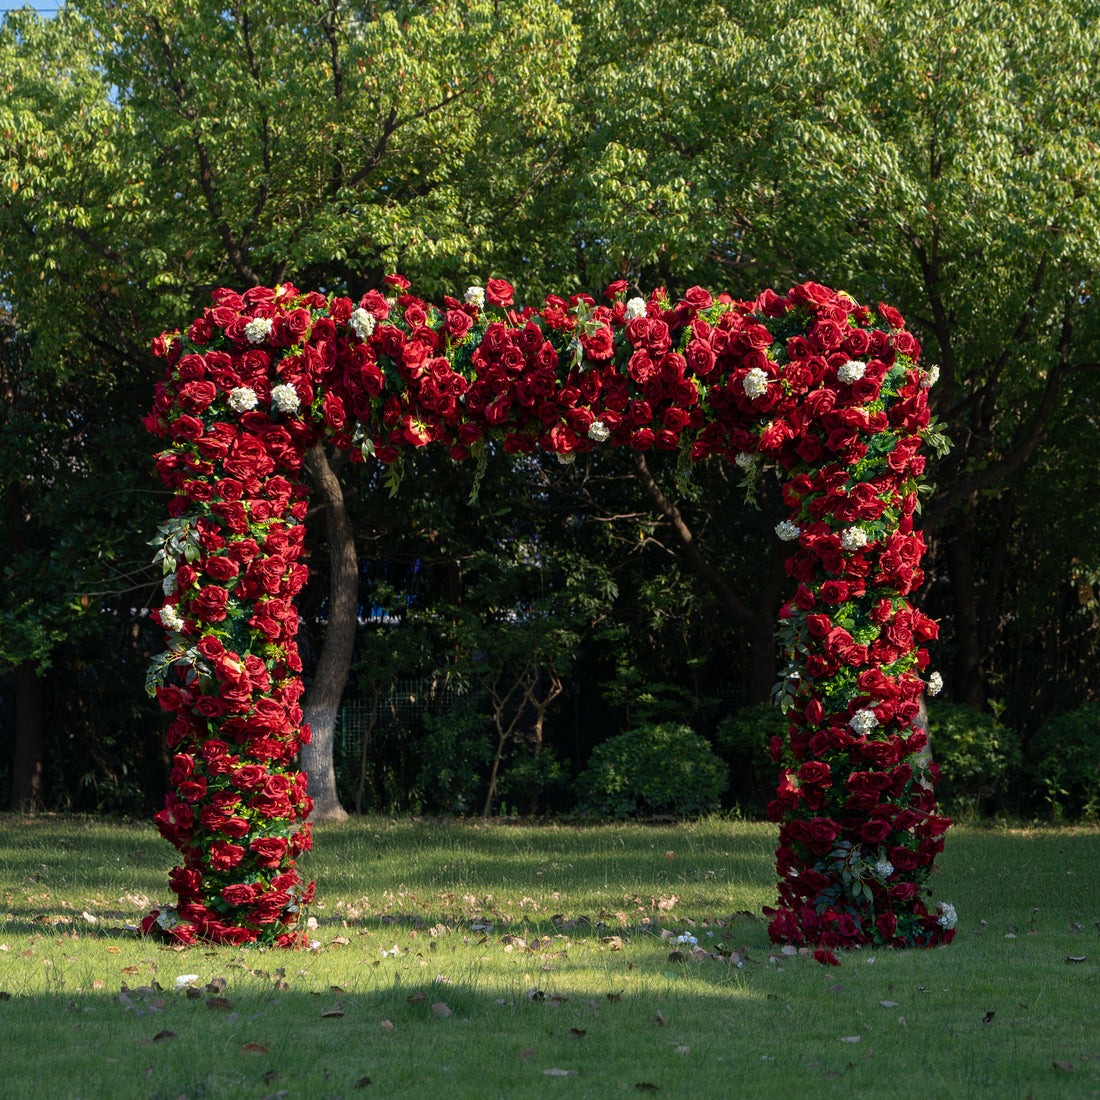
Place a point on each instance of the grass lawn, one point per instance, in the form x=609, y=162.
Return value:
x=492, y=960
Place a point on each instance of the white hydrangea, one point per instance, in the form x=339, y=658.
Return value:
x=475, y=296
x=853, y=538
x=863, y=721
x=745, y=460
x=599, y=432
x=948, y=916
x=884, y=868
x=566, y=459
x=284, y=398
x=635, y=308
x=787, y=531
x=755, y=383
x=169, y=584
x=935, y=684
x=852, y=371
x=362, y=323
x=170, y=618
x=242, y=399
x=258, y=329
x=929, y=377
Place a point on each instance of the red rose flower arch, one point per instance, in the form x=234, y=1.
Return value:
x=827, y=390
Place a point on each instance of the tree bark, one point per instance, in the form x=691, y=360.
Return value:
x=322, y=702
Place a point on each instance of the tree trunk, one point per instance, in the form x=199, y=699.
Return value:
x=26, y=777
x=322, y=702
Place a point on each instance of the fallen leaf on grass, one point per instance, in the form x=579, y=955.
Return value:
x=332, y=1014
x=889, y=1004
x=336, y=989
x=362, y=1082
x=341, y=941
x=559, y=1073
x=162, y=1035
x=851, y=1038
x=222, y=1003
x=682, y=1050
x=1076, y=958
x=113, y=949
x=526, y=1053
x=253, y=1048
x=1065, y=1067
x=647, y=1086
x=442, y=1009
x=659, y=1019
x=614, y=998
x=988, y=1017
x=577, y=1032
x=387, y=1025
x=416, y=998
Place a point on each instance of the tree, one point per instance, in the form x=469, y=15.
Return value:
x=153, y=153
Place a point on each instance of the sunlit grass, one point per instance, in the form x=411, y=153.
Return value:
x=1000, y=1012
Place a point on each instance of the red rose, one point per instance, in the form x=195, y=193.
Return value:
x=499, y=292
x=269, y=851
x=223, y=856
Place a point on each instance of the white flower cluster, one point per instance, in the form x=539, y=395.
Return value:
x=258, y=329
x=170, y=618
x=599, y=432
x=242, y=399
x=935, y=684
x=852, y=371
x=635, y=308
x=284, y=397
x=884, y=868
x=362, y=323
x=567, y=459
x=755, y=383
x=169, y=584
x=475, y=296
x=863, y=721
x=787, y=531
x=929, y=377
x=948, y=916
x=853, y=538
x=745, y=460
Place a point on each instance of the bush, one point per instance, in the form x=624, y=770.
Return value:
x=659, y=769
x=975, y=752
x=743, y=740
x=1063, y=762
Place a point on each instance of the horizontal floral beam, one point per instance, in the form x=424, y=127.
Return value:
x=825, y=389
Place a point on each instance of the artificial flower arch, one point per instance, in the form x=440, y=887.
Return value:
x=828, y=390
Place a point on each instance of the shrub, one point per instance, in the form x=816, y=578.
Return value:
x=743, y=740
x=975, y=752
x=1063, y=762
x=658, y=769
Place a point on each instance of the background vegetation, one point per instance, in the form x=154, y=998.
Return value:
x=940, y=157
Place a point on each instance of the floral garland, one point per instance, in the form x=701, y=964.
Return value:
x=812, y=382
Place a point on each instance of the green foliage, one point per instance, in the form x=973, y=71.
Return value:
x=530, y=780
x=976, y=752
x=743, y=740
x=1064, y=762
x=659, y=769
x=454, y=751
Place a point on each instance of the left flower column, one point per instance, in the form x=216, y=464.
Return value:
x=229, y=674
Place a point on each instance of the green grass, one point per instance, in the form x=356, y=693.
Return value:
x=999, y=1013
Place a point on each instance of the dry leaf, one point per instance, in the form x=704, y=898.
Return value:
x=851, y=1038
x=646, y=1086
x=113, y=949
x=1066, y=1067
x=559, y=1073
x=4, y=995
x=577, y=1032
x=526, y=1053
x=889, y=1004
x=222, y=1003
x=387, y=1025
x=131, y=970
x=682, y=1050
x=336, y=989
x=1076, y=958
x=614, y=998
x=332, y=1014
x=988, y=1018
x=442, y=1009
x=253, y=1048
x=416, y=998
x=362, y=1082
x=342, y=941
x=162, y=1035
x=659, y=1019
